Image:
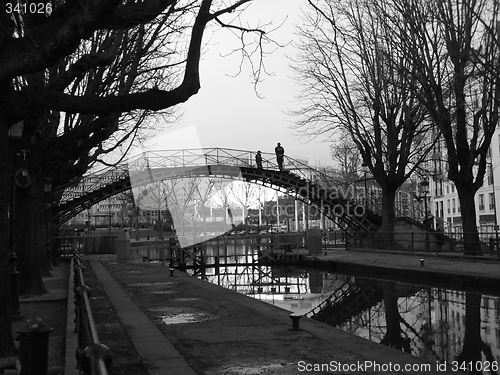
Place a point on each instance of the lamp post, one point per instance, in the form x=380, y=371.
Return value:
x=149, y=221
x=425, y=190
x=15, y=132
x=496, y=228
x=47, y=188
x=137, y=212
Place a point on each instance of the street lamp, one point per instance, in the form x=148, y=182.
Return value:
x=425, y=190
x=15, y=132
x=137, y=213
x=148, y=218
x=47, y=188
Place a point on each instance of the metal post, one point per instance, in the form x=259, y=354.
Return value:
x=137, y=211
x=496, y=234
x=427, y=242
x=149, y=222
x=15, y=307
x=494, y=207
x=160, y=229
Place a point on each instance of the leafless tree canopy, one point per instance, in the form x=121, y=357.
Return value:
x=454, y=50
x=83, y=77
x=353, y=84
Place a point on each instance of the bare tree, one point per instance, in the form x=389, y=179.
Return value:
x=50, y=67
x=348, y=161
x=181, y=194
x=352, y=84
x=204, y=192
x=245, y=193
x=454, y=50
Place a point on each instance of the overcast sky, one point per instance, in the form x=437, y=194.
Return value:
x=228, y=113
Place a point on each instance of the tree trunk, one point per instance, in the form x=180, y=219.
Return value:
x=393, y=337
x=30, y=238
x=6, y=340
x=386, y=232
x=473, y=345
x=468, y=213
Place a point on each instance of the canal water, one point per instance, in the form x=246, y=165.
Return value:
x=435, y=323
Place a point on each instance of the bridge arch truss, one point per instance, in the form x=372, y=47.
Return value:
x=299, y=180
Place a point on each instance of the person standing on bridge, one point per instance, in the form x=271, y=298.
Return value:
x=280, y=155
x=258, y=160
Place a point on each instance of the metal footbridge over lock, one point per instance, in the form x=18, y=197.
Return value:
x=299, y=180
x=347, y=300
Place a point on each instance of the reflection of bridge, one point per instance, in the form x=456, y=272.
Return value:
x=298, y=179
x=349, y=299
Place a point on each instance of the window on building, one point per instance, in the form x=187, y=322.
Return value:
x=492, y=201
x=481, y=202
x=458, y=205
x=490, y=175
x=441, y=211
x=436, y=209
x=452, y=187
x=447, y=188
x=448, y=205
x=453, y=205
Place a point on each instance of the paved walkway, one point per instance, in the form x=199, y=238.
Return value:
x=449, y=265
x=224, y=332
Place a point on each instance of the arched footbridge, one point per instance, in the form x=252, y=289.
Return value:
x=299, y=180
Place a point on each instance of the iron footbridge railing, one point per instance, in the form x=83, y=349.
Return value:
x=304, y=182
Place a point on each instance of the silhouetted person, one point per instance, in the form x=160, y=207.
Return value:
x=280, y=154
x=258, y=160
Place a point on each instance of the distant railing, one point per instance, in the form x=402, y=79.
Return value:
x=421, y=241
x=65, y=246
x=151, y=160
x=335, y=239
x=93, y=357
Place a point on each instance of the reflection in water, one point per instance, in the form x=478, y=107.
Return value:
x=433, y=323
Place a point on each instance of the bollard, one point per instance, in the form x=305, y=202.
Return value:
x=34, y=347
x=171, y=270
x=422, y=260
x=295, y=321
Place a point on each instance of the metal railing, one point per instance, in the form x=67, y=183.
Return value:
x=334, y=240
x=427, y=242
x=64, y=246
x=93, y=357
x=160, y=159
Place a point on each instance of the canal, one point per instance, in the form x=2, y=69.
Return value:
x=438, y=323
